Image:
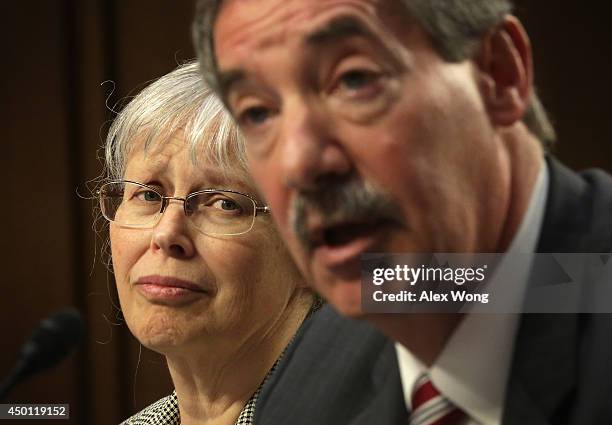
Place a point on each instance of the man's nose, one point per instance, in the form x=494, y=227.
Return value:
x=311, y=152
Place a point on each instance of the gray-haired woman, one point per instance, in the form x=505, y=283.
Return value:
x=202, y=275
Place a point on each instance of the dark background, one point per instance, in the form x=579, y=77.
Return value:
x=56, y=55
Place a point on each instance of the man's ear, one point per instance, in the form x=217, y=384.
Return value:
x=505, y=69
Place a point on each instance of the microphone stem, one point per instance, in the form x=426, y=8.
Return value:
x=14, y=377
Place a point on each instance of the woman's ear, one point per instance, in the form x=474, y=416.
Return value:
x=505, y=72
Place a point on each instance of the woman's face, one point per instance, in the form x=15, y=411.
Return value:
x=179, y=288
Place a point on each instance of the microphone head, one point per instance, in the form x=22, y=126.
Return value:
x=52, y=340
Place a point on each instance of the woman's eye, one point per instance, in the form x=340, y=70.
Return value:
x=226, y=205
x=148, y=195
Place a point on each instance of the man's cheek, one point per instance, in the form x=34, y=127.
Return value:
x=296, y=249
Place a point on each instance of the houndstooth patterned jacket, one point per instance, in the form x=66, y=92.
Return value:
x=166, y=411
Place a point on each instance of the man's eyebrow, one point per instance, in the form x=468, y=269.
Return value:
x=226, y=79
x=337, y=29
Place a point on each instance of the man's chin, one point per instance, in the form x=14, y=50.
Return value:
x=339, y=286
x=345, y=297
x=349, y=310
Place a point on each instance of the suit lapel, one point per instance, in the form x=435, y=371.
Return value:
x=543, y=371
x=336, y=371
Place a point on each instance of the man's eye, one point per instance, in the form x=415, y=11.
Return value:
x=358, y=84
x=256, y=115
x=356, y=79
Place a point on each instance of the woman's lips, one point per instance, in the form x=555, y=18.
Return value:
x=169, y=290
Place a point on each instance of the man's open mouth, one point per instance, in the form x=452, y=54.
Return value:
x=343, y=234
x=340, y=243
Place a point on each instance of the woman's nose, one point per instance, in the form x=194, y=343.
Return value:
x=171, y=235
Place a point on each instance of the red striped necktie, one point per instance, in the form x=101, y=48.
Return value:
x=429, y=407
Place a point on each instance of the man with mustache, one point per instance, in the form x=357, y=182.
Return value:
x=411, y=126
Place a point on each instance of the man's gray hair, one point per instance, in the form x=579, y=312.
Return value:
x=180, y=100
x=455, y=27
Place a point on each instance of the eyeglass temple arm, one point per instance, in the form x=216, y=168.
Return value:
x=264, y=210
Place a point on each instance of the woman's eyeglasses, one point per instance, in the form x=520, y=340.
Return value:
x=213, y=212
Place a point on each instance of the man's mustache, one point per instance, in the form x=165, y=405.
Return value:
x=342, y=201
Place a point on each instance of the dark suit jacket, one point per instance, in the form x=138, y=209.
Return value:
x=562, y=367
x=339, y=371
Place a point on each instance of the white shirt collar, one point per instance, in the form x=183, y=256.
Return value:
x=472, y=369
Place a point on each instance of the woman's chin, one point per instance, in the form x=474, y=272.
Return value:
x=159, y=331
x=161, y=343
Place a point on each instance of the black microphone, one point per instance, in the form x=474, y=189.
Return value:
x=49, y=343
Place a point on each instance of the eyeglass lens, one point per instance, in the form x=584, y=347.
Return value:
x=212, y=212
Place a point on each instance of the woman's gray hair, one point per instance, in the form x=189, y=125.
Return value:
x=180, y=100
